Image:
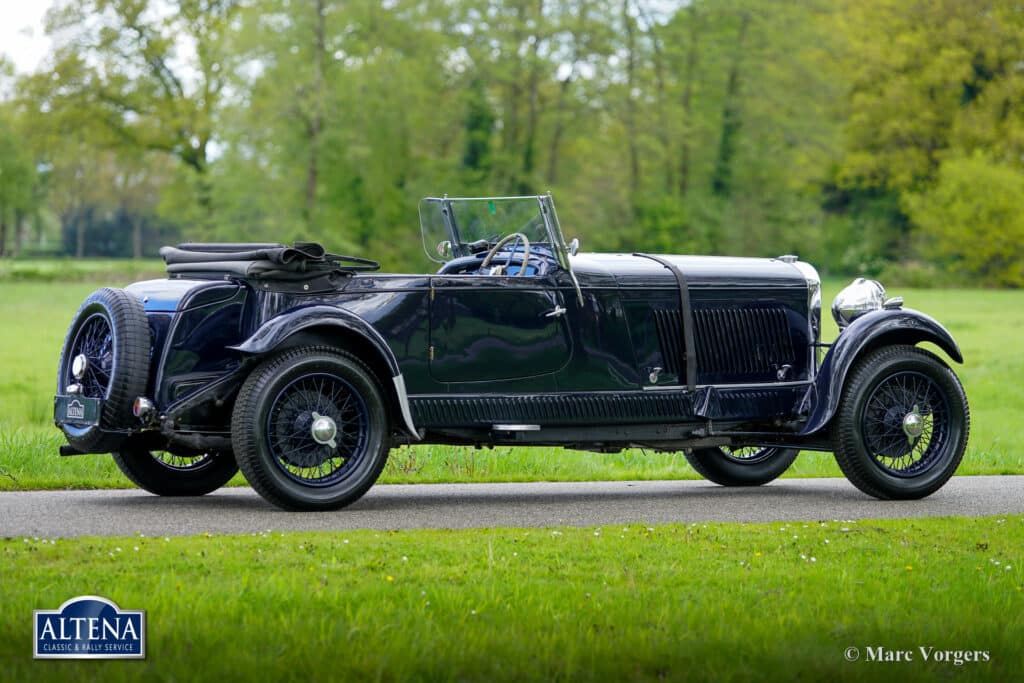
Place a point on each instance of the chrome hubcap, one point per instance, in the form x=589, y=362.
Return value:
x=79, y=365
x=913, y=425
x=324, y=430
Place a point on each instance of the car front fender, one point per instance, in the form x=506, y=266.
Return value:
x=276, y=331
x=868, y=332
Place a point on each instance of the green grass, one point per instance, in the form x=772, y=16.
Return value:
x=62, y=270
x=34, y=317
x=714, y=602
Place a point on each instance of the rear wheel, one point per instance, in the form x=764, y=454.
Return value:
x=310, y=429
x=902, y=424
x=175, y=473
x=748, y=466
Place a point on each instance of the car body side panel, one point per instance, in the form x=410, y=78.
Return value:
x=488, y=329
x=607, y=340
x=603, y=358
x=195, y=352
x=746, y=337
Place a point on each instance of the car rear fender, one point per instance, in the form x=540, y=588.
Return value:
x=866, y=333
x=327, y=324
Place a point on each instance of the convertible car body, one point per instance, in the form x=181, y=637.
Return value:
x=305, y=368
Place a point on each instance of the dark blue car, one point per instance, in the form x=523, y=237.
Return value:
x=304, y=368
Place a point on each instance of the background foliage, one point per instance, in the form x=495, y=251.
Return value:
x=869, y=136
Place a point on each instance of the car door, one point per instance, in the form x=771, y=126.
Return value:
x=490, y=328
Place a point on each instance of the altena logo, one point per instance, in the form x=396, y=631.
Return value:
x=89, y=627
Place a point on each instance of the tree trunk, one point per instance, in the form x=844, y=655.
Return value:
x=531, y=122
x=3, y=232
x=510, y=117
x=79, y=235
x=691, y=74
x=530, y=142
x=556, y=136
x=659, y=84
x=634, y=153
x=563, y=92
x=19, y=231
x=316, y=117
x=136, y=235
x=195, y=158
x=721, y=181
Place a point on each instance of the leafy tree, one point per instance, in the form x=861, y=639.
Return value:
x=15, y=186
x=19, y=180
x=971, y=221
x=738, y=126
x=153, y=73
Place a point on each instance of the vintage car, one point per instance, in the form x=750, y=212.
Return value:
x=305, y=368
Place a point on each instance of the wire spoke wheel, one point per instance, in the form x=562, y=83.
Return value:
x=902, y=423
x=94, y=342
x=182, y=463
x=317, y=429
x=106, y=357
x=748, y=455
x=169, y=471
x=310, y=428
x=906, y=423
x=741, y=465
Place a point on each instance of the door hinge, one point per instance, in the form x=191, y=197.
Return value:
x=430, y=352
x=431, y=292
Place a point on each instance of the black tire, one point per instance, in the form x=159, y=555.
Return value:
x=871, y=445
x=741, y=466
x=271, y=425
x=167, y=473
x=112, y=325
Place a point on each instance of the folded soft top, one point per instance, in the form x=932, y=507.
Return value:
x=259, y=260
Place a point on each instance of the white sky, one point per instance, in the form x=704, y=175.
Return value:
x=21, y=32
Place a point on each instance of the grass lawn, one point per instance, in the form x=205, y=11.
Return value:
x=64, y=270
x=714, y=602
x=34, y=317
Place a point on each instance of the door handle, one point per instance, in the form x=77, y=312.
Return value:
x=557, y=312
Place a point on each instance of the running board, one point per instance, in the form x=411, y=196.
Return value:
x=516, y=428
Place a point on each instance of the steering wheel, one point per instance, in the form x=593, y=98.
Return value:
x=501, y=243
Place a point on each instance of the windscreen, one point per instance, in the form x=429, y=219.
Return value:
x=464, y=221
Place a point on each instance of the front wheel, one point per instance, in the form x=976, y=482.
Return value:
x=750, y=466
x=310, y=429
x=902, y=424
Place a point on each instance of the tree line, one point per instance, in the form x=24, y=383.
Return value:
x=879, y=137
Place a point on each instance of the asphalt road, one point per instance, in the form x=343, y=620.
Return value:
x=52, y=514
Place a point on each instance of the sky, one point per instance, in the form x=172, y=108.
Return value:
x=21, y=32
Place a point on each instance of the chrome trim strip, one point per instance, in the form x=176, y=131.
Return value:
x=810, y=274
x=403, y=404
x=516, y=428
x=755, y=385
